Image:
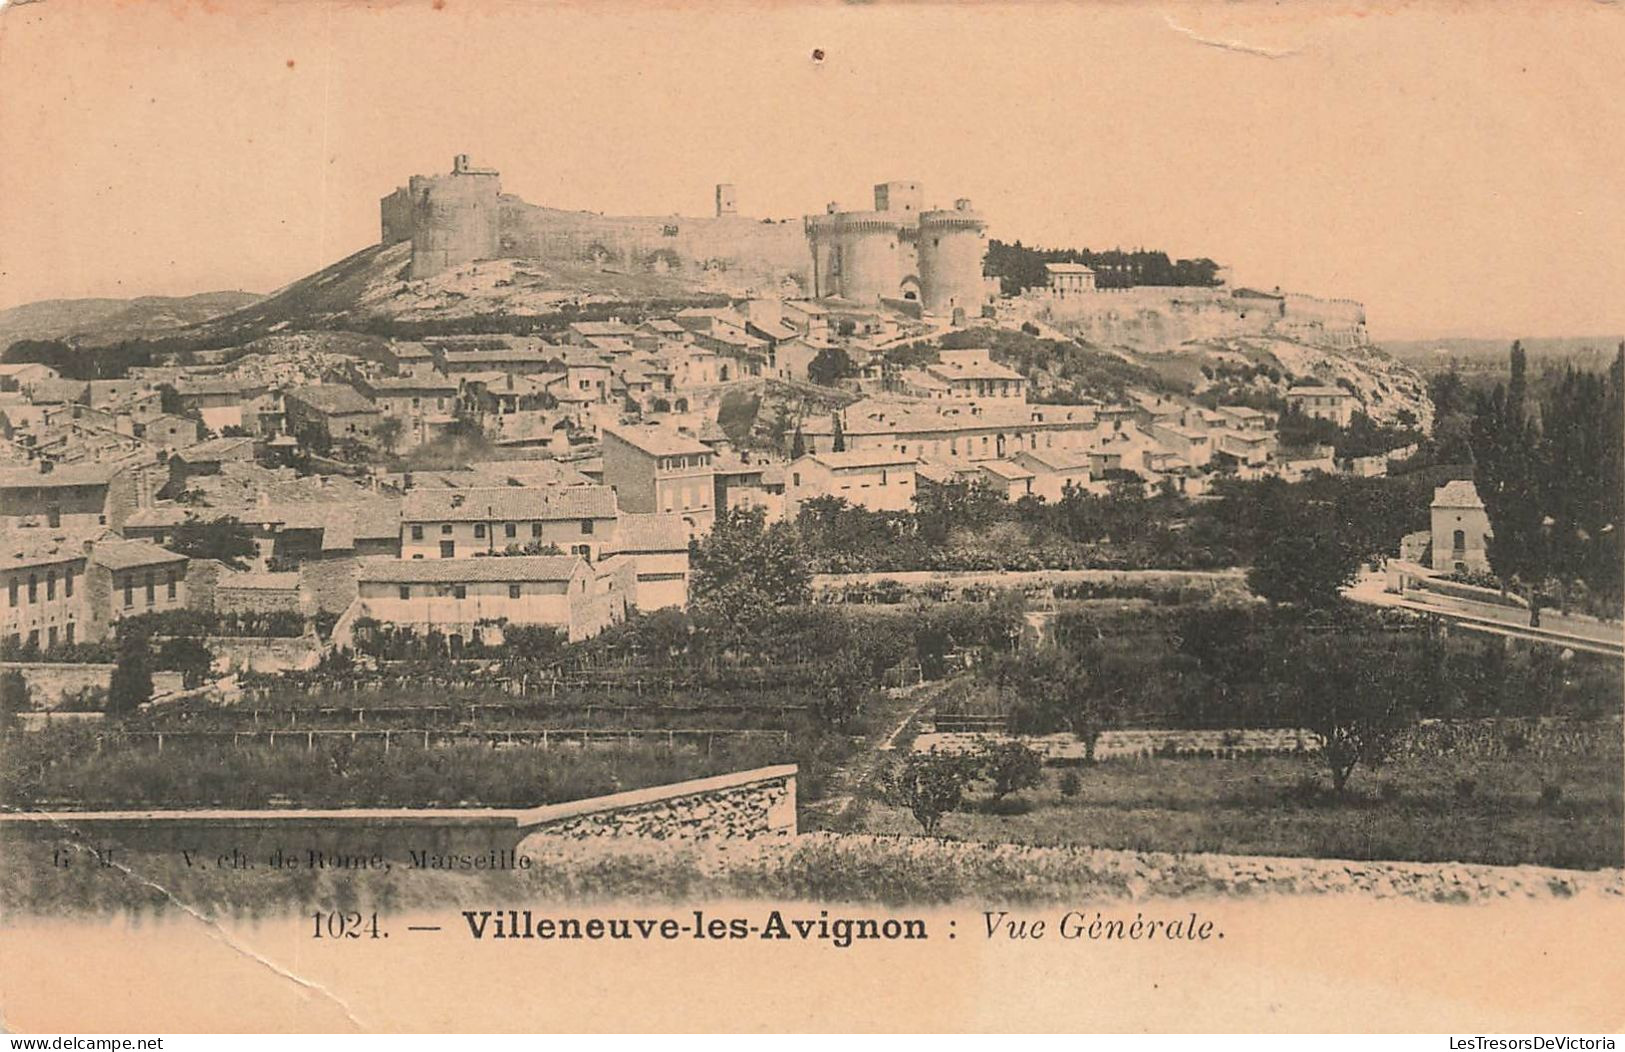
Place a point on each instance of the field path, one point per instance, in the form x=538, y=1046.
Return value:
x=853, y=782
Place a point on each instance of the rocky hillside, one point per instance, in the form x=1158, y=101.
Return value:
x=1254, y=346
x=370, y=291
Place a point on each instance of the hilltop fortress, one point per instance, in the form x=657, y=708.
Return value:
x=898, y=251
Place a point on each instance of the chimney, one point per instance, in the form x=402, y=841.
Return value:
x=46, y=467
x=457, y=499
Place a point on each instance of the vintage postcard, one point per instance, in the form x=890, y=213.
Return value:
x=811, y=517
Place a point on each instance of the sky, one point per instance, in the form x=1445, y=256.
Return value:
x=1459, y=169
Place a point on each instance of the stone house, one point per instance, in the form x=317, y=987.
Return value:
x=471, y=599
x=484, y=520
x=329, y=414
x=1461, y=529
x=658, y=469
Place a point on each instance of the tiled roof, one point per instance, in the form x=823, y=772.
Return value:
x=1317, y=392
x=332, y=398
x=650, y=533
x=527, y=472
x=412, y=383
x=19, y=548
x=509, y=503
x=862, y=458
x=213, y=449
x=1460, y=493
x=601, y=328
x=658, y=441
x=1004, y=469
x=61, y=475
x=460, y=571
x=125, y=555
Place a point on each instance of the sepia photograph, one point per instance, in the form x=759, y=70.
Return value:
x=1053, y=517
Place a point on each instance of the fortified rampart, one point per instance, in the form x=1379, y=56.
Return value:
x=897, y=252
x=1158, y=316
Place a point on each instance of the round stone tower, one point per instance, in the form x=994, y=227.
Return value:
x=951, y=245
x=855, y=254
x=454, y=217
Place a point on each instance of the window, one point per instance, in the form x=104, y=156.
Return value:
x=582, y=550
x=511, y=530
x=406, y=591
x=1459, y=540
x=445, y=530
x=479, y=531
x=33, y=588
x=513, y=591
x=53, y=515
x=169, y=584
x=535, y=529
x=50, y=637
x=417, y=533
x=459, y=591
x=129, y=591
x=586, y=527
x=152, y=589
x=67, y=582
x=33, y=638
x=11, y=587
x=448, y=549
x=68, y=633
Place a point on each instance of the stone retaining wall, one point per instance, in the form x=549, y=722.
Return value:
x=49, y=682
x=1136, y=744
x=739, y=806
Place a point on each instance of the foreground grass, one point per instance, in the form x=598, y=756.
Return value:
x=1556, y=811
x=819, y=867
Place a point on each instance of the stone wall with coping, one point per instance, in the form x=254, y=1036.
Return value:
x=743, y=805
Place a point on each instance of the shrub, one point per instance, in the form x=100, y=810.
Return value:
x=1466, y=788
x=1550, y=796
x=187, y=656
x=929, y=785
x=1071, y=784
x=1011, y=766
x=131, y=685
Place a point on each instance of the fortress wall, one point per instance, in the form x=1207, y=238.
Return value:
x=395, y=217
x=756, y=252
x=1167, y=315
x=1332, y=313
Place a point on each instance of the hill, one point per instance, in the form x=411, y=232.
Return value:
x=371, y=291
x=99, y=322
x=1239, y=346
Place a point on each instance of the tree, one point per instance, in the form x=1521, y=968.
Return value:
x=1050, y=689
x=837, y=442
x=388, y=431
x=829, y=366
x=843, y=683
x=227, y=540
x=14, y=696
x=187, y=656
x=1355, y=707
x=1011, y=766
x=1307, y=564
x=929, y=785
x=131, y=684
x=744, y=569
